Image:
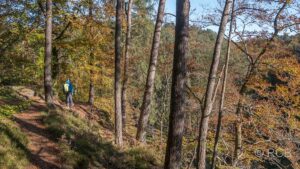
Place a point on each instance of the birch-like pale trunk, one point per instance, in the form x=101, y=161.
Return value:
x=208, y=103
x=221, y=105
x=118, y=108
x=126, y=62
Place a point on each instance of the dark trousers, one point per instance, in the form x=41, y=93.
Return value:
x=69, y=99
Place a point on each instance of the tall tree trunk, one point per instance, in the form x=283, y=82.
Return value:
x=125, y=81
x=48, y=54
x=177, y=113
x=90, y=21
x=92, y=74
x=145, y=109
x=221, y=106
x=208, y=104
x=118, y=111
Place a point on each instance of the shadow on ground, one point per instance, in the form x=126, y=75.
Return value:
x=33, y=158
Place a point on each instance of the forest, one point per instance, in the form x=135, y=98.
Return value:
x=131, y=84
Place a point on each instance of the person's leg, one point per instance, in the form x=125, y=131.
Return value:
x=71, y=100
x=68, y=100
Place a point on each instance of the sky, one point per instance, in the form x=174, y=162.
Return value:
x=195, y=4
x=198, y=8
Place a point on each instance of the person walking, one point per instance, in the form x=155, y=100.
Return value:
x=69, y=91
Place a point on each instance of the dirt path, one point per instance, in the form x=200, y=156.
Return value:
x=42, y=149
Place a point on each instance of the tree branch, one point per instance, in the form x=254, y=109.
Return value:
x=63, y=31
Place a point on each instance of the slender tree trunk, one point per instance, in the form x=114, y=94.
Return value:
x=238, y=135
x=118, y=111
x=92, y=91
x=221, y=106
x=164, y=110
x=92, y=88
x=177, y=113
x=48, y=54
x=145, y=109
x=125, y=81
x=90, y=20
x=208, y=104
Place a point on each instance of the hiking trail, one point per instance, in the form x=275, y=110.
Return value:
x=43, y=149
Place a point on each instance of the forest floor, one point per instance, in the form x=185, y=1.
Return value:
x=42, y=147
x=75, y=138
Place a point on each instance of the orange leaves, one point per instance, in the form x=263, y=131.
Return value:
x=274, y=97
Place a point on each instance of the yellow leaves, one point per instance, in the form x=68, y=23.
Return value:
x=294, y=124
x=288, y=1
x=106, y=104
x=282, y=91
x=288, y=65
x=275, y=96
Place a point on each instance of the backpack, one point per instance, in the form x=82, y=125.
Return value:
x=66, y=87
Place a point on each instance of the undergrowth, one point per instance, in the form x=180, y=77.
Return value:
x=82, y=145
x=13, y=152
x=80, y=141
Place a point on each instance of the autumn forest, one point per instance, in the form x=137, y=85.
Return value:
x=149, y=84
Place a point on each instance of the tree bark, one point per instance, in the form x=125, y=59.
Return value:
x=221, y=106
x=238, y=136
x=178, y=95
x=125, y=80
x=48, y=55
x=92, y=87
x=90, y=20
x=92, y=92
x=208, y=104
x=145, y=109
x=118, y=111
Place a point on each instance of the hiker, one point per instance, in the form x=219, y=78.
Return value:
x=69, y=91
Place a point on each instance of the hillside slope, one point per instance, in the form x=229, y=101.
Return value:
x=61, y=138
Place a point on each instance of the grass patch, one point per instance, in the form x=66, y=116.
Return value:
x=7, y=110
x=83, y=147
x=13, y=152
x=79, y=140
x=11, y=103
